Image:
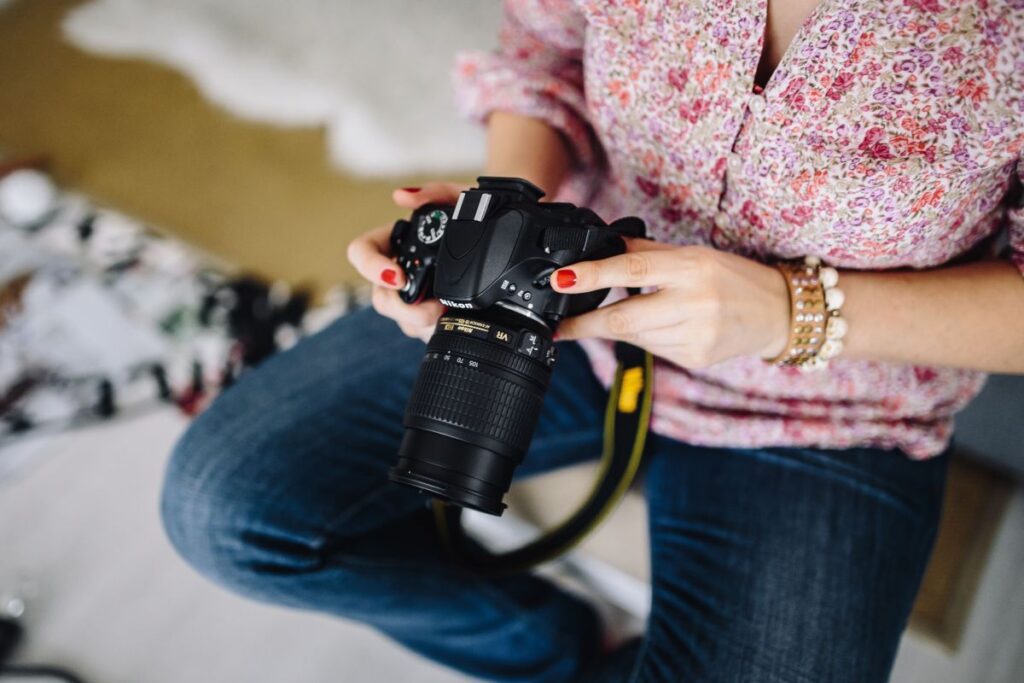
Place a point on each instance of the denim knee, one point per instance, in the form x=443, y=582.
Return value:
x=202, y=506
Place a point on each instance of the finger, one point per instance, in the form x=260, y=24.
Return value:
x=380, y=302
x=671, y=336
x=634, y=269
x=423, y=314
x=387, y=303
x=421, y=333
x=627, y=320
x=369, y=254
x=431, y=193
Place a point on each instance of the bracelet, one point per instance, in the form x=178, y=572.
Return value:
x=816, y=326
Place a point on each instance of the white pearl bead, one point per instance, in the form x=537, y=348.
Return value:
x=829, y=277
x=836, y=328
x=834, y=298
x=830, y=349
x=812, y=260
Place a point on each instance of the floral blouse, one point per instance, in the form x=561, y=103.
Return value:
x=889, y=136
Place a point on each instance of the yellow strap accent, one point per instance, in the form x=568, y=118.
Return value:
x=629, y=393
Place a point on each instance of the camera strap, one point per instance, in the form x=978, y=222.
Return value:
x=627, y=418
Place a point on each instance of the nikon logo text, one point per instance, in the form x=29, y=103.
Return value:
x=455, y=304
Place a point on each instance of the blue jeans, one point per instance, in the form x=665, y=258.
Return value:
x=769, y=565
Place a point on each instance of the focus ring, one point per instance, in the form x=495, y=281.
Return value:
x=490, y=352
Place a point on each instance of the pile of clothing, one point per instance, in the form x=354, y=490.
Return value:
x=102, y=317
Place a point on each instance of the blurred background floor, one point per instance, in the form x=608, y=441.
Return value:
x=107, y=596
x=113, y=599
x=140, y=137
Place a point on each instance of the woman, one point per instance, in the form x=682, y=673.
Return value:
x=791, y=513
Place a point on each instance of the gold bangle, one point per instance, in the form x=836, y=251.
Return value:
x=807, y=313
x=816, y=327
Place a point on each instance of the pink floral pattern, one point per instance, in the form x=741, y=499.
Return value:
x=889, y=136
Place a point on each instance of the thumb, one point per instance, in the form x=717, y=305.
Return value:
x=430, y=193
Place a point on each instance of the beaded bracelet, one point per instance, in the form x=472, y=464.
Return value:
x=816, y=326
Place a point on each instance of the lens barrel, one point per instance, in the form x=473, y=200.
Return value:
x=474, y=406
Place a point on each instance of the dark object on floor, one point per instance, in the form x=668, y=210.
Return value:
x=255, y=313
x=10, y=635
x=44, y=673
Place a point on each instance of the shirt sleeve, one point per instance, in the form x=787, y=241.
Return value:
x=537, y=71
x=1015, y=220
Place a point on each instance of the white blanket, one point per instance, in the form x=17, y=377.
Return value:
x=375, y=73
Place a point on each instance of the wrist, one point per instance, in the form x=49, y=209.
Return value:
x=524, y=147
x=777, y=314
x=816, y=328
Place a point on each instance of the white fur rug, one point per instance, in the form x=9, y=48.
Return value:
x=376, y=74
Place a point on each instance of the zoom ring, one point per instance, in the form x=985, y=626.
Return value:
x=483, y=403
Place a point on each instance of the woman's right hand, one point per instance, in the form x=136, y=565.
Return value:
x=370, y=253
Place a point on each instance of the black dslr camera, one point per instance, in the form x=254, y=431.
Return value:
x=479, y=392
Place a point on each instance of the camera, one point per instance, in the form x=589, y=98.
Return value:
x=480, y=389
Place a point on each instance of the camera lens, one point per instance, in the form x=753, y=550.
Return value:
x=475, y=405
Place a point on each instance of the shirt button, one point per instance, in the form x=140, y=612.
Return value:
x=756, y=104
x=719, y=234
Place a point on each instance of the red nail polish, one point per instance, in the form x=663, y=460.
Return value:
x=389, y=276
x=565, y=278
x=410, y=189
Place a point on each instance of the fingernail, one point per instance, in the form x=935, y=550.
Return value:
x=410, y=189
x=565, y=278
x=389, y=276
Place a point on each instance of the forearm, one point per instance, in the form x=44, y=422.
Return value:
x=528, y=148
x=969, y=316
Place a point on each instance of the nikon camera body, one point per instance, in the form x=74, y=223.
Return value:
x=480, y=388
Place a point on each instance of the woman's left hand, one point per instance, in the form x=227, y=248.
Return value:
x=708, y=306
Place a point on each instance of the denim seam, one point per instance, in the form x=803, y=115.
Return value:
x=348, y=513
x=840, y=476
x=634, y=677
x=416, y=567
x=520, y=613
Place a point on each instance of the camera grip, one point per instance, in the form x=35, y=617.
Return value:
x=414, y=244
